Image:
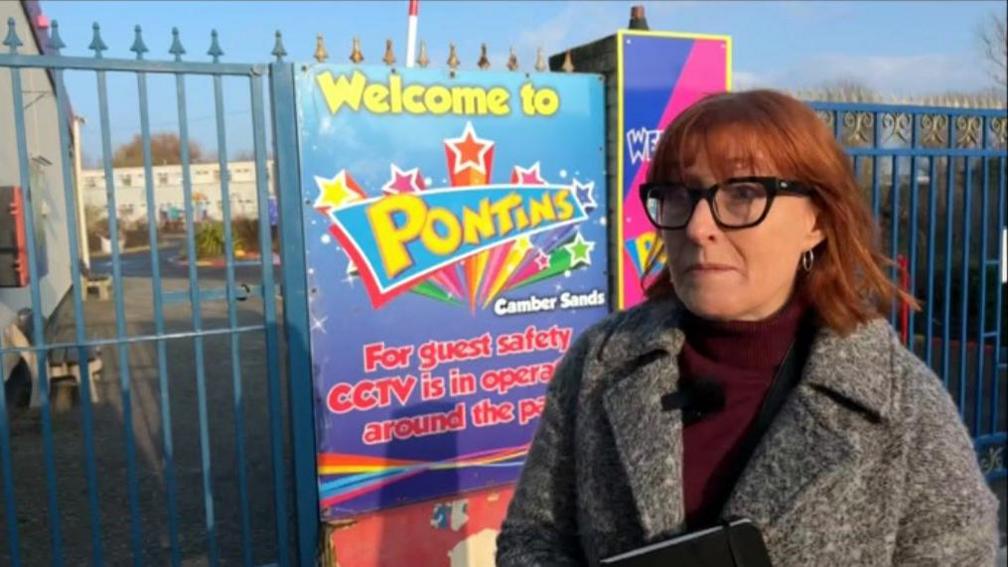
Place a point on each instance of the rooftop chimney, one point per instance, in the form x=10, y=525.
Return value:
x=637, y=19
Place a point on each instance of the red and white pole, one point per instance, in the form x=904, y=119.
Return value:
x=414, y=8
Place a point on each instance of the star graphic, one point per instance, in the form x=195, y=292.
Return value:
x=521, y=246
x=542, y=260
x=335, y=192
x=403, y=181
x=529, y=176
x=584, y=192
x=580, y=250
x=319, y=324
x=469, y=150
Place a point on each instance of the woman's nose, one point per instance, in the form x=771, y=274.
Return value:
x=702, y=226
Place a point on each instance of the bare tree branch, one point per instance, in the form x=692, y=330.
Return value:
x=994, y=42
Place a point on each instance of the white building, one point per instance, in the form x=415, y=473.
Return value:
x=45, y=171
x=131, y=190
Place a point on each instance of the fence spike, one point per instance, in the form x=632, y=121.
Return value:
x=356, y=55
x=422, y=59
x=12, y=40
x=215, y=50
x=320, y=50
x=484, y=61
x=453, y=60
x=568, y=63
x=138, y=47
x=278, y=47
x=540, y=63
x=176, y=46
x=512, y=63
x=55, y=42
x=97, y=45
x=389, y=57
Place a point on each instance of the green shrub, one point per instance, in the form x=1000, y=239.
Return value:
x=209, y=239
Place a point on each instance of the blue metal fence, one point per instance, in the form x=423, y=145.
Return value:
x=293, y=414
x=955, y=160
x=921, y=169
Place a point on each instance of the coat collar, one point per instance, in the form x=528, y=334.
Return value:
x=856, y=368
x=806, y=450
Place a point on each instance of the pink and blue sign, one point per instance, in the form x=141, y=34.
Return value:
x=659, y=75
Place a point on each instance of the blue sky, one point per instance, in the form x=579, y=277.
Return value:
x=898, y=48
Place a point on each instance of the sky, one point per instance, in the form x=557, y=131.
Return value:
x=896, y=48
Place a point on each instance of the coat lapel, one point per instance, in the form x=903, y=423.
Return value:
x=800, y=457
x=818, y=439
x=640, y=358
x=649, y=442
x=809, y=447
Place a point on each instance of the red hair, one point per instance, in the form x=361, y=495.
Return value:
x=847, y=285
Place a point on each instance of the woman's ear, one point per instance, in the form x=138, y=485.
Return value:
x=814, y=235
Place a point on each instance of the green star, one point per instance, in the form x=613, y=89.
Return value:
x=580, y=250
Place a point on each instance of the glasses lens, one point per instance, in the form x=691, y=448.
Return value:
x=669, y=206
x=740, y=203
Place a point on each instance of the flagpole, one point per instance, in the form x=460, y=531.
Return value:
x=414, y=8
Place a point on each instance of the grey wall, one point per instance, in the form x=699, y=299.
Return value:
x=43, y=142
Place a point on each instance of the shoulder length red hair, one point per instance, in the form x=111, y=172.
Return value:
x=847, y=284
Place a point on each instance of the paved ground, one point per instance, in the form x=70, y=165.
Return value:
x=110, y=445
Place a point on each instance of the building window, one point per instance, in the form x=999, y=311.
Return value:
x=90, y=183
x=162, y=179
x=127, y=180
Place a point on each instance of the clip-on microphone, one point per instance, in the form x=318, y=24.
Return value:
x=697, y=398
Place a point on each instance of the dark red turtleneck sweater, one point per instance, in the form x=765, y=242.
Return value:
x=743, y=356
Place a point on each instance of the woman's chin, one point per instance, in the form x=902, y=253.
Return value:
x=710, y=302
x=711, y=308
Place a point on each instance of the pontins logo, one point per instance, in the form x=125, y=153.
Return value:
x=465, y=243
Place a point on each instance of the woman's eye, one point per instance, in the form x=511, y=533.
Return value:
x=744, y=192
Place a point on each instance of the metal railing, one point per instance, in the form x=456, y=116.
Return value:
x=935, y=177
x=300, y=422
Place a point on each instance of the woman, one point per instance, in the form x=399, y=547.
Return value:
x=767, y=241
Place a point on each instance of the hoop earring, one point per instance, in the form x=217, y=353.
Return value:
x=807, y=258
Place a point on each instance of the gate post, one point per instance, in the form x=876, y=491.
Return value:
x=295, y=309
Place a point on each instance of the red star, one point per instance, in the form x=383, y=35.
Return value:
x=469, y=150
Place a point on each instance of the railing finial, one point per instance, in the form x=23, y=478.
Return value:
x=215, y=50
x=55, y=42
x=540, y=63
x=423, y=59
x=321, y=53
x=356, y=55
x=138, y=47
x=453, y=60
x=12, y=40
x=97, y=45
x=512, y=63
x=176, y=46
x=484, y=60
x=278, y=47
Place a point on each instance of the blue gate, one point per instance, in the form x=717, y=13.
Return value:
x=198, y=488
x=935, y=177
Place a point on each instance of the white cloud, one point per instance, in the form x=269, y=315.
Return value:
x=745, y=80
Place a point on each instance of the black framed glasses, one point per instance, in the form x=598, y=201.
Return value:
x=739, y=202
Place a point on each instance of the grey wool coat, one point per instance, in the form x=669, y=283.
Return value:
x=867, y=463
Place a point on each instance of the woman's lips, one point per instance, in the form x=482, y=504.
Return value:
x=707, y=268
